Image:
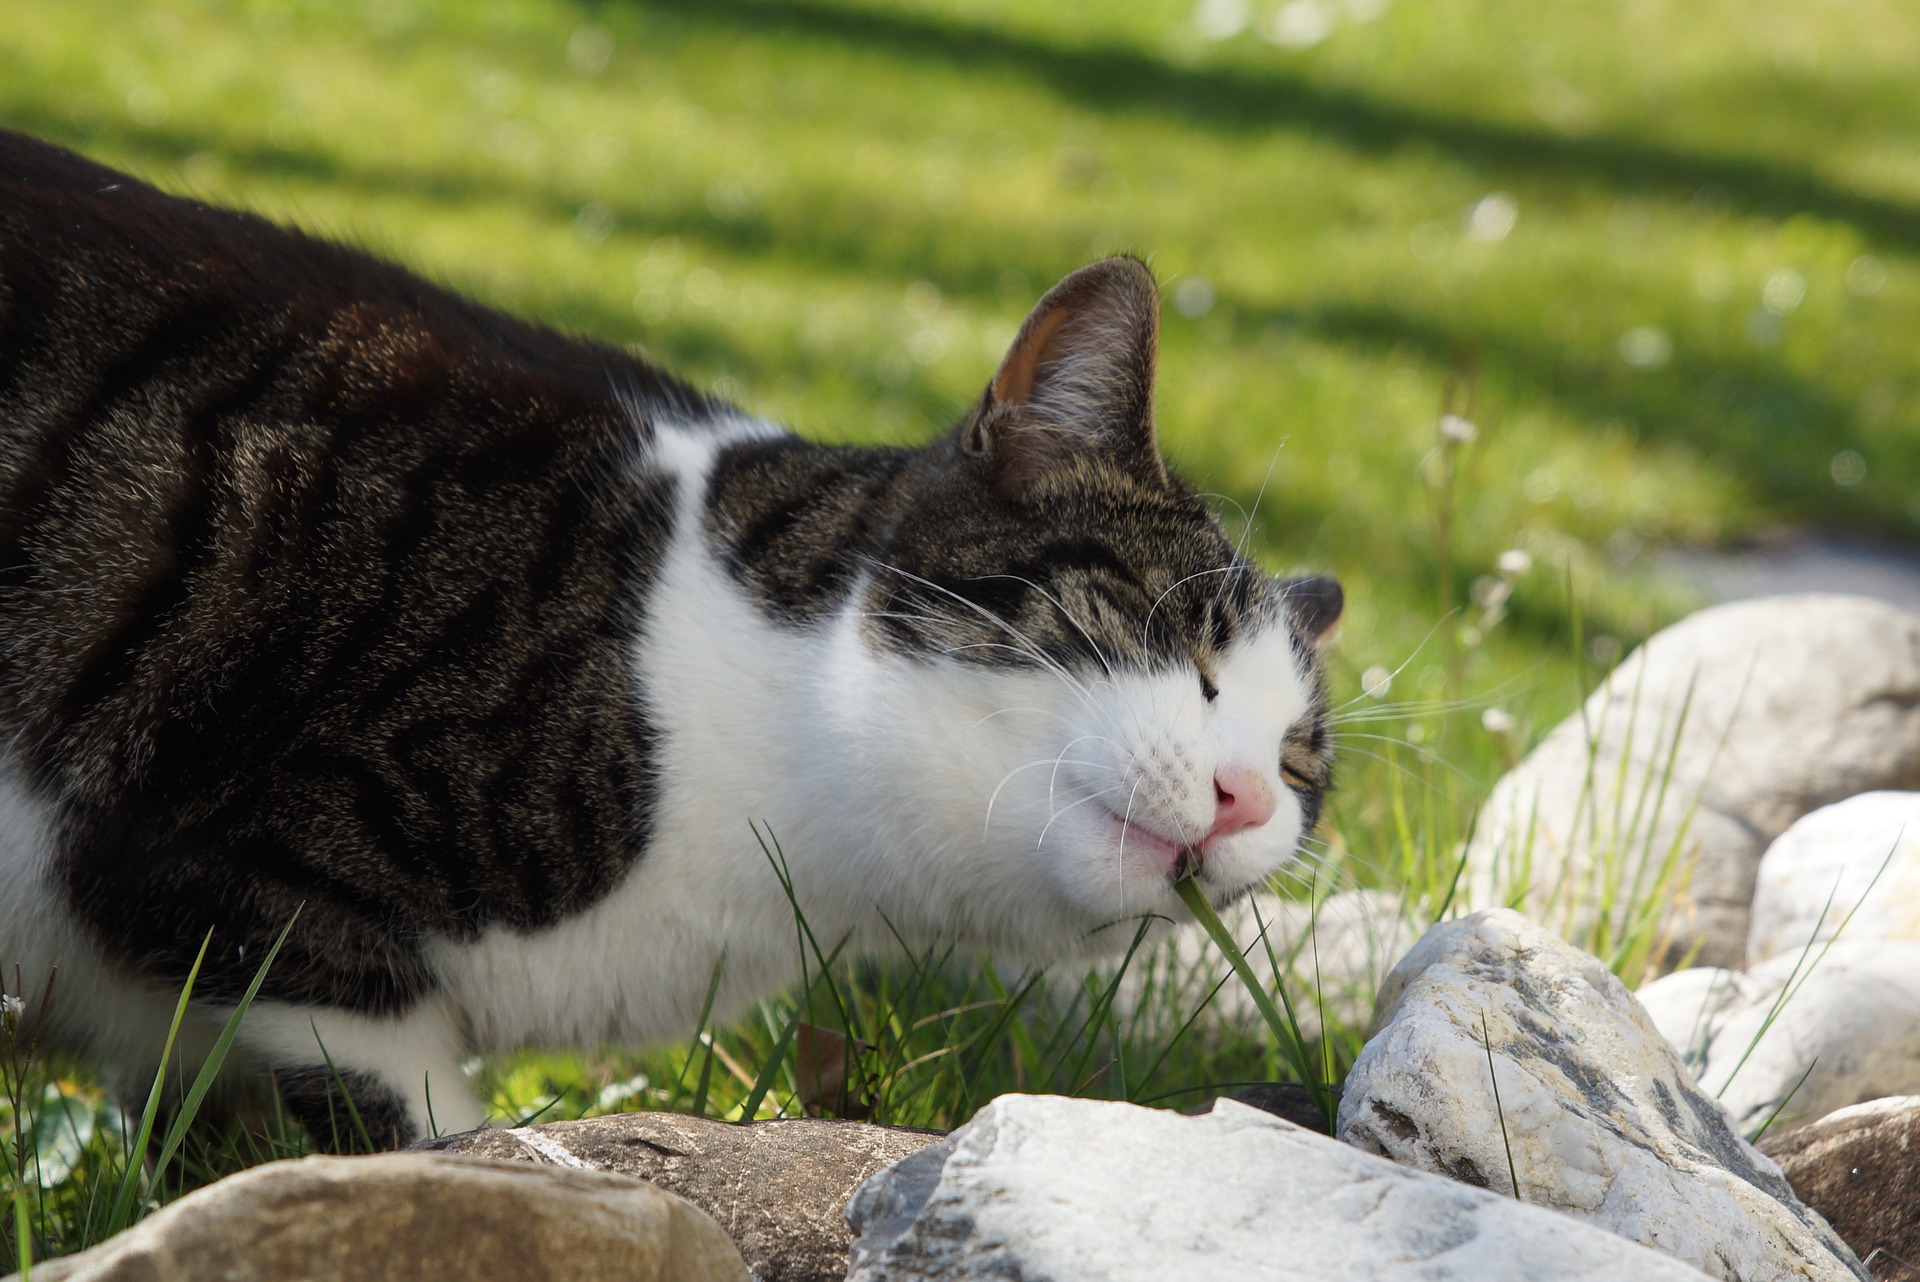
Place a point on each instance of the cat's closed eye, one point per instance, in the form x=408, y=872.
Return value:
x=1295, y=764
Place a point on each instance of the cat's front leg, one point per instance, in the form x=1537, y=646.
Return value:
x=352, y=1078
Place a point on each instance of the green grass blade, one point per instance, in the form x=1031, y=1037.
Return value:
x=22, y=1230
x=763, y=1080
x=1784, y=1101
x=703, y=1038
x=770, y=1067
x=1802, y=968
x=1486, y=1040
x=190, y=1106
x=346, y=1096
x=1284, y=1032
x=123, y=1201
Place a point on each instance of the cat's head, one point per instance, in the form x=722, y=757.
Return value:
x=1123, y=696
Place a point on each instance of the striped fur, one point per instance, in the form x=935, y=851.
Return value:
x=324, y=590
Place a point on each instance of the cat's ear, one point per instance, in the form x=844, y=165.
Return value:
x=1078, y=381
x=1316, y=604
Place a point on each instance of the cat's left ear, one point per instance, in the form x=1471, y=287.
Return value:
x=1316, y=604
x=1077, y=382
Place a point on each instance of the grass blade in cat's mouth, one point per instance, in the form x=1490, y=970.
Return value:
x=1185, y=864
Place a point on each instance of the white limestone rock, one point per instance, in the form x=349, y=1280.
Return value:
x=1847, y=1032
x=1600, y=1117
x=1855, y=862
x=1691, y=1006
x=1706, y=742
x=1046, y=1187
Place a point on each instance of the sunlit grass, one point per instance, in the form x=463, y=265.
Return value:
x=1662, y=255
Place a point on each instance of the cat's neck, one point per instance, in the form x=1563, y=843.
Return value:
x=758, y=664
x=796, y=524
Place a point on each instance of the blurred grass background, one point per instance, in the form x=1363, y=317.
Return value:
x=1663, y=255
x=1672, y=246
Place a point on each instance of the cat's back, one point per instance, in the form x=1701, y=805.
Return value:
x=293, y=541
x=206, y=419
x=107, y=278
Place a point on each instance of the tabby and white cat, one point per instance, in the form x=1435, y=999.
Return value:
x=483, y=647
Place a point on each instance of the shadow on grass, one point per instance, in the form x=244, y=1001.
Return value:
x=852, y=237
x=1772, y=429
x=1115, y=78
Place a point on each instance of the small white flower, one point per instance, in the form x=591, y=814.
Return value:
x=1492, y=218
x=11, y=1005
x=1848, y=468
x=1376, y=681
x=1222, y=19
x=1193, y=296
x=1456, y=429
x=620, y=1092
x=1300, y=24
x=1783, y=291
x=1646, y=347
x=1514, y=563
x=1497, y=720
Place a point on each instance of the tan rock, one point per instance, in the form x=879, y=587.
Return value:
x=777, y=1188
x=1856, y=1168
x=414, y=1217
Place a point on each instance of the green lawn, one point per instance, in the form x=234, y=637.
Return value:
x=1666, y=256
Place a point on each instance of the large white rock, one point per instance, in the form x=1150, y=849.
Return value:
x=1594, y=1109
x=1045, y=1187
x=1855, y=862
x=1846, y=1030
x=1706, y=742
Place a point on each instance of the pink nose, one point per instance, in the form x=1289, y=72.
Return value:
x=1242, y=799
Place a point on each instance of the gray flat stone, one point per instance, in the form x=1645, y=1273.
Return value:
x=1041, y=1187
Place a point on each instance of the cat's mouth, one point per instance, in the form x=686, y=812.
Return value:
x=1134, y=835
